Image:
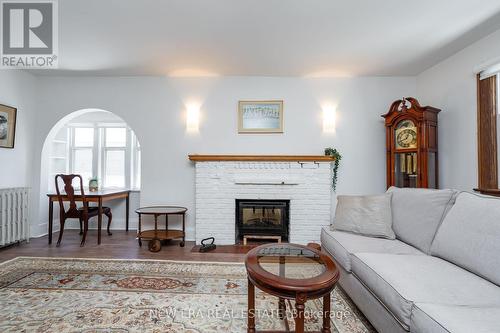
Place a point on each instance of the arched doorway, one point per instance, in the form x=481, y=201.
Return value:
x=94, y=143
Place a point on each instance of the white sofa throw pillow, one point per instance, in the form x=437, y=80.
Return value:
x=368, y=215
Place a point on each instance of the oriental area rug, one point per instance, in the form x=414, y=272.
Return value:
x=101, y=295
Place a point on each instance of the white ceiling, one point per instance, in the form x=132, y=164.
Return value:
x=311, y=38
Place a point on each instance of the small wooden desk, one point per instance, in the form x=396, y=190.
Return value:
x=99, y=197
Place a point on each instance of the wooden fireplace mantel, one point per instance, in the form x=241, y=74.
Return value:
x=261, y=158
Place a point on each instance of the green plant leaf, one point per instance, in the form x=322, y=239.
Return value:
x=335, y=167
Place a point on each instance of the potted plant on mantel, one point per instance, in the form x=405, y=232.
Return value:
x=334, y=153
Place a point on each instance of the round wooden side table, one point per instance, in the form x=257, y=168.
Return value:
x=155, y=236
x=291, y=271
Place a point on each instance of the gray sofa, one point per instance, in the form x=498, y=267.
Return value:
x=440, y=274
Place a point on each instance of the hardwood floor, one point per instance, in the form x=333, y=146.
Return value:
x=121, y=245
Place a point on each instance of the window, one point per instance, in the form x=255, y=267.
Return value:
x=109, y=152
x=114, y=168
x=82, y=152
x=114, y=150
x=487, y=114
x=498, y=122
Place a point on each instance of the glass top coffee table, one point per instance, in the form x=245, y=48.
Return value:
x=291, y=271
x=155, y=236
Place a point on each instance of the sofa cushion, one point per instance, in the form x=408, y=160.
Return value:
x=400, y=280
x=438, y=318
x=417, y=214
x=470, y=235
x=368, y=215
x=341, y=245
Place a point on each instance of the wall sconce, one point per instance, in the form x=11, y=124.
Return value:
x=193, y=118
x=329, y=119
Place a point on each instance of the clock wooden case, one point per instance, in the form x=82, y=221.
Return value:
x=412, y=144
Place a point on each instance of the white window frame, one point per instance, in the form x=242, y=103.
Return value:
x=73, y=148
x=105, y=150
x=99, y=150
x=135, y=162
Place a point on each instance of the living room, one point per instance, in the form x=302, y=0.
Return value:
x=257, y=166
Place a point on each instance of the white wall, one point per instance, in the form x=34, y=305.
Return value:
x=451, y=86
x=17, y=89
x=155, y=108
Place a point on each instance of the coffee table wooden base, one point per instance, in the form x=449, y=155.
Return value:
x=317, y=278
x=300, y=301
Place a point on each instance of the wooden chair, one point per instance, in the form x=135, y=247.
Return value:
x=83, y=213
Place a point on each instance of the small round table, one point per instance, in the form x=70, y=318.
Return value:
x=291, y=271
x=155, y=236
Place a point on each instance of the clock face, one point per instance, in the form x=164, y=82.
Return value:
x=406, y=135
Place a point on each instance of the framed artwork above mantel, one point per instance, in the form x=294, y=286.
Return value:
x=7, y=126
x=260, y=116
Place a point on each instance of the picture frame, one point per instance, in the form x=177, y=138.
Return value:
x=8, y=118
x=260, y=116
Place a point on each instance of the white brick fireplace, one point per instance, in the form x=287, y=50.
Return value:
x=307, y=184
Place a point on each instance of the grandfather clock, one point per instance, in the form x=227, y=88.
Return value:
x=412, y=144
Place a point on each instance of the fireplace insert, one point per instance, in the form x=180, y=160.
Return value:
x=262, y=218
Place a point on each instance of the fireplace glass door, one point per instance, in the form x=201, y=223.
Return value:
x=262, y=217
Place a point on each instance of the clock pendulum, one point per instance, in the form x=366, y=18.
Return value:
x=410, y=164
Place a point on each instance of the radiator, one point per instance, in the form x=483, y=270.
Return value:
x=14, y=208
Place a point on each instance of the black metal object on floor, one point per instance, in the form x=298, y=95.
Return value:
x=206, y=246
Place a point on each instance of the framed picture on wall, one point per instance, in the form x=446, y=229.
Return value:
x=260, y=117
x=7, y=126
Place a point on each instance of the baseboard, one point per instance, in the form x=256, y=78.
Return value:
x=117, y=224
x=73, y=224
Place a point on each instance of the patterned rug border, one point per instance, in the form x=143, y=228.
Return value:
x=18, y=267
x=126, y=259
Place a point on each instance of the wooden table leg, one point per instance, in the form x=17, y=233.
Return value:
x=51, y=218
x=281, y=302
x=99, y=222
x=127, y=206
x=139, y=231
x=300, y=300
x=281, y=308
x=326, y=314
x=183, y=242
x=251, y=307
